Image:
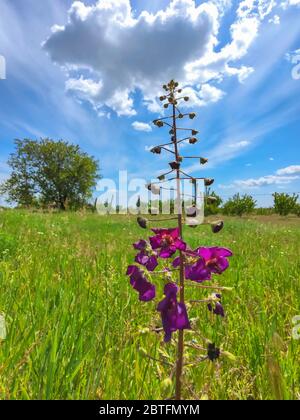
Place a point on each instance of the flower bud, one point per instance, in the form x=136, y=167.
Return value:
x=194, y=132
x=142, y=222
x=193, y=140
x=153, y=188
x=191, y=211
x=192, y=115
x=162, y=98
x=186, y=98
x=156, y=150
x=161, y=177
x=203, y=161
x=166, y=106
x=174, y=165
x=180, y=116
x=211, y=200
x=217, y=226
x=213, y=352
x=208, y=182
x=179, y=90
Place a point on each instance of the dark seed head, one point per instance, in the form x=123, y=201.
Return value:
x=193, y=140
x=174, y=165
x=203, y=161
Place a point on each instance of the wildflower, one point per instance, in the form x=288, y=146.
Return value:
x=215, y=258
x=168, y=241
x=139, y=282
x=173, y=314
x=215, y=305
x=146, y=256
x=194, y=267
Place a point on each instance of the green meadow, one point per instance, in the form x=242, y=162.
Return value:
x=76, y=330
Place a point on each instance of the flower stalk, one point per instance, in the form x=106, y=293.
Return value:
x=193, y=266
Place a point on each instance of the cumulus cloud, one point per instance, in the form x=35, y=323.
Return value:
x=140, y=126
x=122, y=52
x=290, y=170
x=265, y=180
x=281, y=177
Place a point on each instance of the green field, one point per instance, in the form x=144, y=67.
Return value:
x=76, y=330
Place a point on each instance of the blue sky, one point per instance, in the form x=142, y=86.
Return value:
x=89, y=72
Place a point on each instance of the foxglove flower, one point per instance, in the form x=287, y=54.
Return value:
x=146, y=257
x=215, y=258
x=215, y=305
x=173, y=314
x=139, y=282
x=167, y=241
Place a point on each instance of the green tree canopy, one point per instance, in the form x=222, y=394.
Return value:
x=50, y=173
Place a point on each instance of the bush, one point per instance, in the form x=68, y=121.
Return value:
x=239, y=205
x=285, y=203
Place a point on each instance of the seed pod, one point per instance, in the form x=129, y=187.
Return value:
x=194, y=132
x=191, y=211
x=193, y=140
x=192, y=115
x=142, y=222
x=156, y=150
x=211, y=200
x=166, y=106
x=153, y=188
x=186, y=98
x=161, y=177
x=162, y=98
x=203, y=161
x=213, y=352
x=216, y=227
x=180, y=116
x=180, y=158
x=174, y=165
x=208, y=182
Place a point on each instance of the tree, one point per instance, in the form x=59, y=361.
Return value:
x=285, y=203
x=50, y=173
x=212, y=202
x=239, y=205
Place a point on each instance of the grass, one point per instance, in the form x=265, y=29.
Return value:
x=77, y=331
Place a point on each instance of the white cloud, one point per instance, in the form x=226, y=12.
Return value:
x=108, y=40
x=265, y=180
x=140, y=126
x=240, y=144
x=288, y=3
x=275, y=19
x=290, y=170
x=271, y=159
x=282, y=177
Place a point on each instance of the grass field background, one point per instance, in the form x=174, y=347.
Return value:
x=76, y=330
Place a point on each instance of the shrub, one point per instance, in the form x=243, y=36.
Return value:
x=212, y=203
x=239, y=205
x=285, y=203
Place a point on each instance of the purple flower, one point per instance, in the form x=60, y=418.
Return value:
x=139, y=282
x=215, y=305
x=215, y=258
x=173, y=314
x=167, y=241
x=146, y=256
x=195, y=268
